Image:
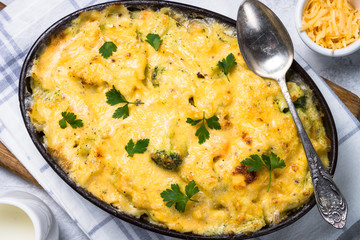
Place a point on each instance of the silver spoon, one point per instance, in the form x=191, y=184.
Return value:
x=268, y=51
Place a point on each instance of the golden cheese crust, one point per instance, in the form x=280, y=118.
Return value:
x=181, y=80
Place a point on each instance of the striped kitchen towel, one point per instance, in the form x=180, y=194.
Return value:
x=20, y=25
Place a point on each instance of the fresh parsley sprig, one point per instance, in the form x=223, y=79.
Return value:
x=139, y=147
x=202, y=133
x=69, y=117
x=255, y=163
x=227, y=64
x=175, y=196
x=154, y=40
x=107, y=49
x=114, y=97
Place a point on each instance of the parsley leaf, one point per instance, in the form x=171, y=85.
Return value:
x=114, y=97
x=121, y=112
x=69, y=117
x=276, y=162
x=107, y=49
x=175, y=196
x=193, y=122
x=191, y=190
x=270, y=162
x=254, y=162
x=213, y=123
x=227, y=64
x=154, y=40
x=202, y=133
x=63, y=123
x=139, y=147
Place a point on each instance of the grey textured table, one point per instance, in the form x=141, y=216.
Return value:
x=343, y=71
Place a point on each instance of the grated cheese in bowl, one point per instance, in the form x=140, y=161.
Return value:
x=332, y=24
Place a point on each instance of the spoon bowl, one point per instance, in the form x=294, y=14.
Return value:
x=267, y=48
x=268, y=51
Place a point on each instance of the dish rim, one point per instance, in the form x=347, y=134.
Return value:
x=186, y=9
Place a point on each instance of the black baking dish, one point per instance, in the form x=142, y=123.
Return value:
x=190, y=11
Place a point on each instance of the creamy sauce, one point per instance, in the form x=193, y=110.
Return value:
x=15, y=224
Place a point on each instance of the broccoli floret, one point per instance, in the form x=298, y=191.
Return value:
x=299, y=103
x=167, y=159
x=155, y=76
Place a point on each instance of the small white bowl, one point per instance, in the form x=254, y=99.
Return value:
x=44, y=223
x=311, y=44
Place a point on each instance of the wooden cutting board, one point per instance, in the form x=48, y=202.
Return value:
x=7, y=159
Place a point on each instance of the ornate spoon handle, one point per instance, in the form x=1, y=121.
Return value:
x=330, y=202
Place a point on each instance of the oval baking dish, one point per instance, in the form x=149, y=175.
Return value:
x=193, y=12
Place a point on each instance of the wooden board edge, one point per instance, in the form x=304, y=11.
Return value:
x=10, y=162
x=351, y=100
x=2, y=6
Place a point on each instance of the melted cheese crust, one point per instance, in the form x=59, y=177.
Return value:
x=71, y=74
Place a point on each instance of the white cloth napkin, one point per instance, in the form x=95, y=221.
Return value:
x=20, y=25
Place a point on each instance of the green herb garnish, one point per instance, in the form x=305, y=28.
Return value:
x=299, y=103
x=175, y=196
x=115, y=97
x=255, y=163
x=154, y=40
x=139, y=147
x=202, y=133
x=107, y=49
x=227, y=64
x=69, y=117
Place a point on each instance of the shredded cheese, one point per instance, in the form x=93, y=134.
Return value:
x=331, y=24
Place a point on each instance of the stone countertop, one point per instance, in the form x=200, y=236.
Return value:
x=344, y=71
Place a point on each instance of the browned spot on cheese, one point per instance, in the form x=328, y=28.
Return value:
x=99, y=153
x=294, y=167
x=307, y=193
x=86, y=82
x=249, y=176
x=61, y=36
x=247, y=139
x=243, y=135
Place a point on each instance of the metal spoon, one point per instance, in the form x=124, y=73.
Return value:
x=268, y=51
